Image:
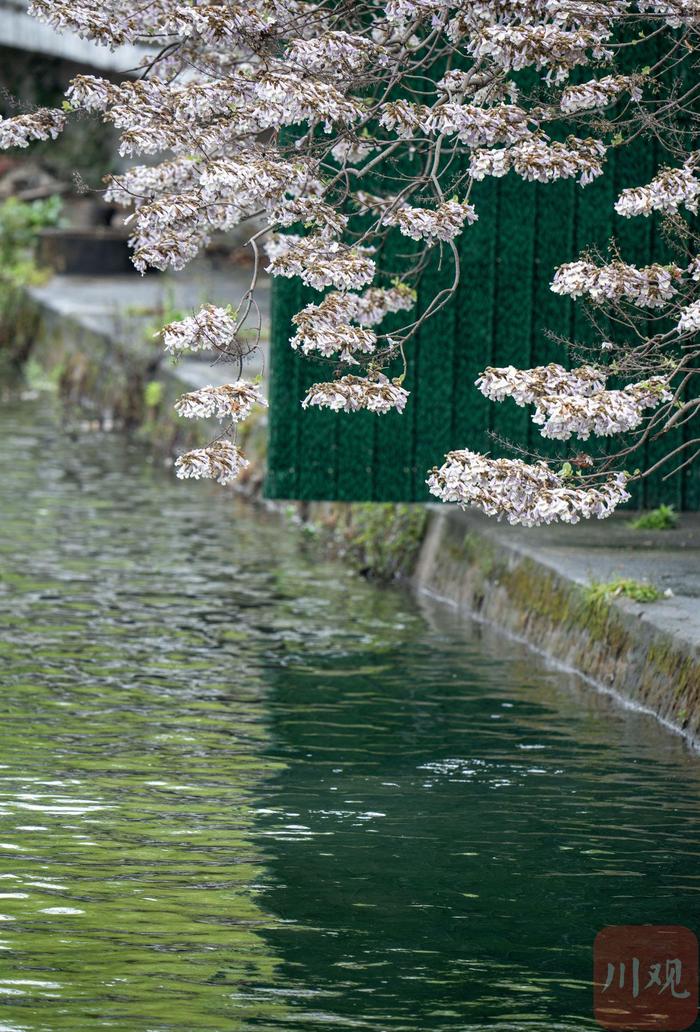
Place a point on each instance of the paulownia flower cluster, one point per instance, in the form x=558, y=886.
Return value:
x=294, y=114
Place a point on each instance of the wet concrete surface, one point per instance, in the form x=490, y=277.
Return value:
x=125, y=307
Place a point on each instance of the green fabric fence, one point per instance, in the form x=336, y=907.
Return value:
x=499, y=317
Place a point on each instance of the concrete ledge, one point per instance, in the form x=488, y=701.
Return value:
x=115, y=313
x=532, y=585
x=94, y=338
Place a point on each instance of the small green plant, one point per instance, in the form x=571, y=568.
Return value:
x=600, y=593
x=663, y=518
x=20, y=224
x=38, y=378
x=153, y=394
x=381, y=541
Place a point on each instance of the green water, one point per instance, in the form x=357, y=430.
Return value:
x=244, y=789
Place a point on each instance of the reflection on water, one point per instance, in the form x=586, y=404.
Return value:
x=242, y=789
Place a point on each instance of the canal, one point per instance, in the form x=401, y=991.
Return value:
x=242, y=788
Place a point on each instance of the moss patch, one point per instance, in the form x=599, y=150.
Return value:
x=639, y=591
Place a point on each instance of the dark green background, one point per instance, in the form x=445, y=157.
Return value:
x=499, y=317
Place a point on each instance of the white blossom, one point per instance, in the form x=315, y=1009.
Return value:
x=351, y=151
x=341, y=54
x=374, y=304
x=537, y=160
x=254, y=181
x=321, y=263
x=513, y=47
x=351, y=393
x=333, y=339
x=599, y=92
x=142, y=183
x=479, y=126
x=210, y=327
x=675, y=12
x=526, y=386
x=21, y=130
x=312, y=212
x=404, y=117
x=603, y=414
x=574, y=402
x=670, y=189
x=232, y=401
x=526, y=493
x=442, y=223
x=689, y=321
x=327, y=329
x=221, y=461
x=651, y=286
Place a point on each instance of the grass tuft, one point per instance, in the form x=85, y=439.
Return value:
x=663, y=518
x=599, y=593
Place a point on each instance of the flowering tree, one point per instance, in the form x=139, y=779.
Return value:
x=338, y=124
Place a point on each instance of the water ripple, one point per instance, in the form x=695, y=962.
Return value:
x=242, y=789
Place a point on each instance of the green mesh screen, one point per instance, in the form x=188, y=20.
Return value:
x=498, y=317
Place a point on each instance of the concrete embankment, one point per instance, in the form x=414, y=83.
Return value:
x=546, y=587
x=96, y=338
